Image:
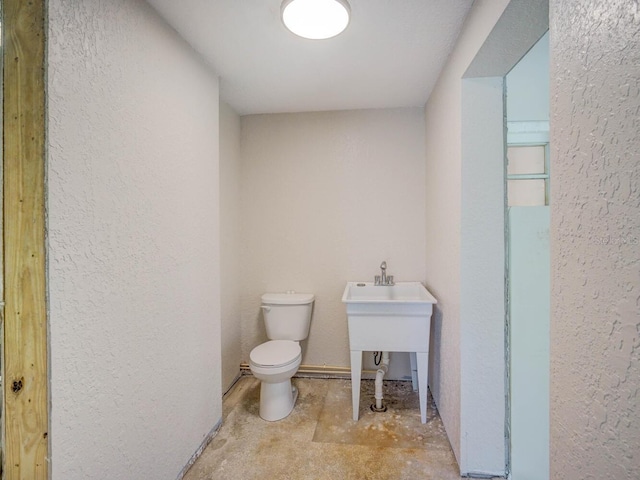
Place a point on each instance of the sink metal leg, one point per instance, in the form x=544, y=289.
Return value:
x=414, y=371
x=422, y=359
x=356, y=373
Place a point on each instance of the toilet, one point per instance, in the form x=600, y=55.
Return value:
x=287, y=317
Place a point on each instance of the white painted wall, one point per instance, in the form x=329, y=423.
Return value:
x=529, y=283
x=465, y=139
x=325, y=198
x=230, y=244
x=595, y=238
x=443, y=214
x=482, y=272
x=529, y=294
x=528, y=85
x=133, y=243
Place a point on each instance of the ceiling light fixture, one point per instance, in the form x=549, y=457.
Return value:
x=315, y=19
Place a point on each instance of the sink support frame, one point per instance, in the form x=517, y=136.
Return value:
x=406, y=329
x=422, y=363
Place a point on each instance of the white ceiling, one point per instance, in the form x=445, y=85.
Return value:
x=390, y=55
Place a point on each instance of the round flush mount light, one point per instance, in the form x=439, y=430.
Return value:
x=315, y=19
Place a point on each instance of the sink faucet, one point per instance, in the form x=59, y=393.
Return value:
x=383, y=267
x=383, y=279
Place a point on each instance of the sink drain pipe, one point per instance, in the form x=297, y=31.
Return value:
x=380, y=373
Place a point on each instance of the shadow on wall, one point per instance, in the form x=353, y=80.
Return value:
x=434, y=343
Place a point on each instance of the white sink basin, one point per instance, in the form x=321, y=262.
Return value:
x=401, y=292
x=393, y=318
x=403, y=298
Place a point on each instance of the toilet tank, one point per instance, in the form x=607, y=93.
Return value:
x=287, y=316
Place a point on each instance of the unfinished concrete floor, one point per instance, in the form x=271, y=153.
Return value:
x=319, y=439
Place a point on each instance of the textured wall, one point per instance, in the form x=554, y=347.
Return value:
x=595, y=239
x=230, y=243
x=325, y=198
x=443, y=181
x=133, y=243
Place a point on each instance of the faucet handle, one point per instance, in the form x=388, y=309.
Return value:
x=390, y=280
x=377, y=280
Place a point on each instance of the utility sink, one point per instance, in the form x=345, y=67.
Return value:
x=389, y=318
x=393, y=318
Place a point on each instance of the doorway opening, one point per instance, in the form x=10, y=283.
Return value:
x=528, y=262
x=484, y=321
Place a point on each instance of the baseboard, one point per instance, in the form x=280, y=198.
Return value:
x=207, y=440
x=233, y=384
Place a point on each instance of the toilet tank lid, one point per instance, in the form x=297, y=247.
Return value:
x=287, y=298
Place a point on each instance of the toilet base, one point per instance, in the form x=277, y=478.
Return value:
x=277, y=400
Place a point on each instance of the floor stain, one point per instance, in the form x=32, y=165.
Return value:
x=319, y=440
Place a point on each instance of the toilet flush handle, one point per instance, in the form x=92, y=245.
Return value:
x=266, y=308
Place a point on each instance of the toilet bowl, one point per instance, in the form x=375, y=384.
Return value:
x=287, y=318
x=274, y=363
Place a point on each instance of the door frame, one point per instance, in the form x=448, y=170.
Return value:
x=25, y=416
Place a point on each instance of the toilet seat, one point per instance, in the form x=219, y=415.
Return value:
x=275, y=354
